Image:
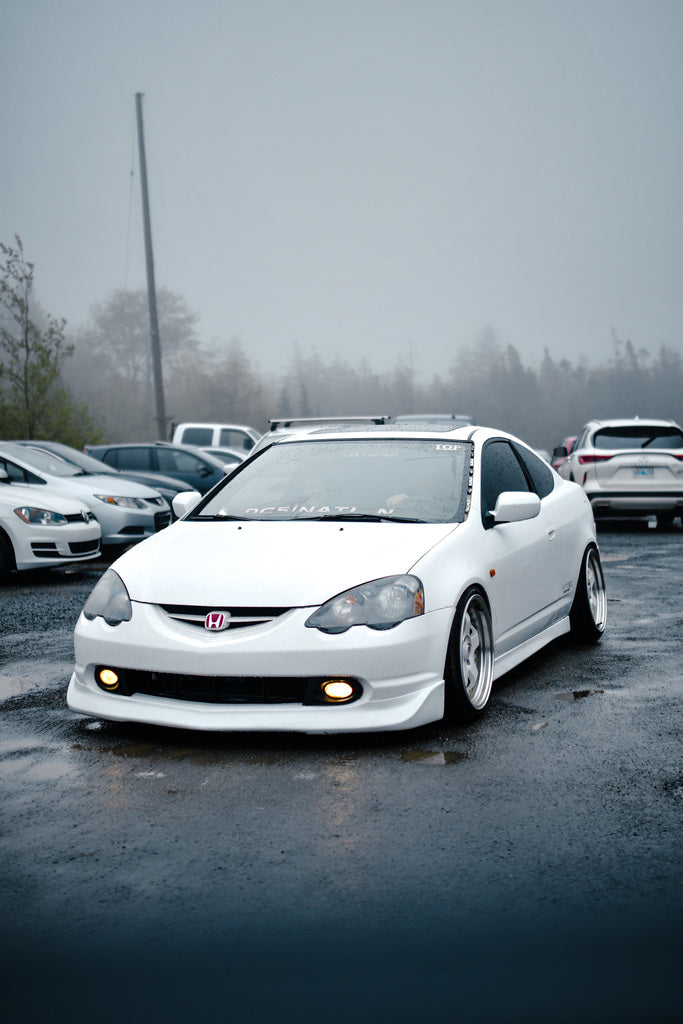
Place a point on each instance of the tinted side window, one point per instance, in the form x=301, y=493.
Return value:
x=542, y=479
x=173, y=461
x=134, y=458
x=500, y=471
x=202, y=436
x=111, y=458
x=19, y=475
x=235, y=439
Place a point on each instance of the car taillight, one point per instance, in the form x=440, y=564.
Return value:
x=585, y=459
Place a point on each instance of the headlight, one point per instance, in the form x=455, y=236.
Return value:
x=381, y=604
x=114, y=499
x=110, y=600
x=40, y=516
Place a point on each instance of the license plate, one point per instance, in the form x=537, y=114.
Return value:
x=644, y=472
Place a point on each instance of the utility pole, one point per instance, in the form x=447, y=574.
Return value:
x=151, y=287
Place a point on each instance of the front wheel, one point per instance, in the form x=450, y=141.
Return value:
x=468, y=674
x=589, y=610
x=6, y=560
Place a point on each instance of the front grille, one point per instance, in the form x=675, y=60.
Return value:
x=84, y=547
x=303, y=690
x=219, y=689
x=162, y=520
x=194, y=615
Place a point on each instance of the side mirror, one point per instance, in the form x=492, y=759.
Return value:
x=560, y=452
x=185, y=502
x=516, y=507
x=4, y=476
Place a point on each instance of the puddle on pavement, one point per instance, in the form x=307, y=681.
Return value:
x=49, y=769
x=24, y=676
x=433, y=756
x=578, y=694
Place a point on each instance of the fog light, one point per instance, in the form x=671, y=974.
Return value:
x=108, y=679
x=337, y=689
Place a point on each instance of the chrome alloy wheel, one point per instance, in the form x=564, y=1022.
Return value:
x=595, y=589
x=476, y=652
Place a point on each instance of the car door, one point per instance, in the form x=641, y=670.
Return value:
x=519, y=555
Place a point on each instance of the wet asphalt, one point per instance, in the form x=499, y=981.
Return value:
x=527, y=867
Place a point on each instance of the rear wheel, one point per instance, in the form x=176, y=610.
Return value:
x=589, y=610
x=469, y=661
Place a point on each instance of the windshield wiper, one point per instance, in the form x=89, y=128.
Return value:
x=221, y=517
x=358, y=517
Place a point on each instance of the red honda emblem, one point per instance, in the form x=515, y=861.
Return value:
x=217, y=620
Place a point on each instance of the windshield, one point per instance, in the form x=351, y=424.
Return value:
x=87, y=463
x=41, y=460
x=411, y=480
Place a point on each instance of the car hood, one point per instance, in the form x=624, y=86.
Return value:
x=14, y=495
x=102, y=484
x=270, y=564
x=153, y=480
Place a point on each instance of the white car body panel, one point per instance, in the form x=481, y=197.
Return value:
x=528, y=570
x=272, y=563
x=31, y=544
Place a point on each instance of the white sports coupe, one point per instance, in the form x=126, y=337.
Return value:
x=344, y=581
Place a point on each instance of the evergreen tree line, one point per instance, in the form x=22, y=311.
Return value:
x=486, y=380
x=95, y=383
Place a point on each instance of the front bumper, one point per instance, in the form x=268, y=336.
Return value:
x=122, y=526
x=46, y=546
x=400, y=671
x=625, y=503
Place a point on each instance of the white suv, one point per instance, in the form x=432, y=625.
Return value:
x=629, y=467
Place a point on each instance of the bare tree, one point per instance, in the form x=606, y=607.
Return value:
x=33, y=350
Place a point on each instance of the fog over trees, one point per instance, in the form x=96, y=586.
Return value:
x=95, y=382
x=486, y=379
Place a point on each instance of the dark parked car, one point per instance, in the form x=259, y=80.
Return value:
x=167, y=486
x=196, y=469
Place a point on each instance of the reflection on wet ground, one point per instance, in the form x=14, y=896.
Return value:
x=23, y=676
x=579, y=694
x=433, y=756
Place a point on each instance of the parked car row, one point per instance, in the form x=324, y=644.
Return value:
x=59, y=505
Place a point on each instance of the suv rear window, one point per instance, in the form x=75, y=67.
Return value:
x=638, y=436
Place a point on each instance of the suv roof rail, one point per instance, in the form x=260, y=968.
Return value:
x=322, y=420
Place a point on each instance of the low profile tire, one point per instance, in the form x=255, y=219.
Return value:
x=6, y=560
x=469, y=660
x=589, y=610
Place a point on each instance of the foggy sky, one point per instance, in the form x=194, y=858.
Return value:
x=371, y=179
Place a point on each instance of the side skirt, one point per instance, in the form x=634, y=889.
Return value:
x=512, y=658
